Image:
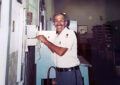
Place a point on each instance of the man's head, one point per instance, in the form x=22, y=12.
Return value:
x=60, y=22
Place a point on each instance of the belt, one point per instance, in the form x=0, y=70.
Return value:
x=67, y=69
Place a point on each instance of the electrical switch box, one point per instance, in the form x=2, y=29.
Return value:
x=31, y=33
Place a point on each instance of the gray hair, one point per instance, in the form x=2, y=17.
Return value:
x=63, y=14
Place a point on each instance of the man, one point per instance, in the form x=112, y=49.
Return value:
x=64, y=49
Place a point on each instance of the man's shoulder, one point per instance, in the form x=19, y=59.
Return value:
x=69, y=31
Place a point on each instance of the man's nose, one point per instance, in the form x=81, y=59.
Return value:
x=58, y=22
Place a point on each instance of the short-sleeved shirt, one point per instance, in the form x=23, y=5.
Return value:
x=66, y=39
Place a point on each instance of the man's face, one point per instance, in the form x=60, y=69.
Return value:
x=59, y=23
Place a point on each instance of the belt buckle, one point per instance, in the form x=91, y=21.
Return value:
x=69, y=69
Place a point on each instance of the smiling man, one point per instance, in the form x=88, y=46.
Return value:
x=64, y=51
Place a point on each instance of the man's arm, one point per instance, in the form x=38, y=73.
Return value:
x=58, y=50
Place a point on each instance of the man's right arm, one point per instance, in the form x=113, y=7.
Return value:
x=58, y=50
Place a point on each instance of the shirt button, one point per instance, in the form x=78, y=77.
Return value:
x=59, y=42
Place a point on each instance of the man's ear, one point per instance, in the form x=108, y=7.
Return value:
x=66, y=23
x=53, y=23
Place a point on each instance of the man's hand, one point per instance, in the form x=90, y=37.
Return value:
x=41, y=38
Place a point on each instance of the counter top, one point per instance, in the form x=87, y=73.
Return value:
x=84, y=62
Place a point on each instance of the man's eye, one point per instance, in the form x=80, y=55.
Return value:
x=55, y=21
x=62, y=20
x=59, y=21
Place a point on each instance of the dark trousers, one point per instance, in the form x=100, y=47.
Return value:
x=69, y=77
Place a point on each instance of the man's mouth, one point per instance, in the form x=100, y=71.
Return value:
x=59, y=26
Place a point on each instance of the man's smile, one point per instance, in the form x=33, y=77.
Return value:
x=59, y=26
